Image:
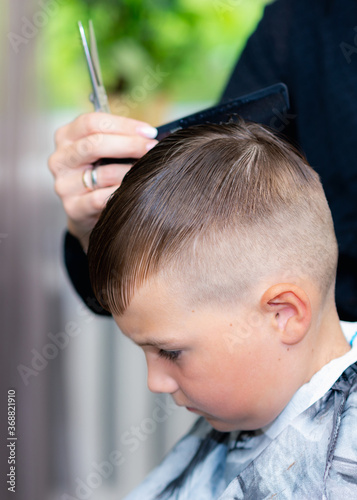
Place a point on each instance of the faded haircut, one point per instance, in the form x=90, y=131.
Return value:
x=214, y=209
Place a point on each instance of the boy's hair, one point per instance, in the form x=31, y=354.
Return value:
x=217, y=208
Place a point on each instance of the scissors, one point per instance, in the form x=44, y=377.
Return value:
x=98, y=96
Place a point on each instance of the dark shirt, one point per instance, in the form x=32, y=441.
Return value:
x=312, y=48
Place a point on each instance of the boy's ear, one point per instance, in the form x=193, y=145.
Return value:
x=290, y=310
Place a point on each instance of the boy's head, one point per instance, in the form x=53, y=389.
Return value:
x=219, y=241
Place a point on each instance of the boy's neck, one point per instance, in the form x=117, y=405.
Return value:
x=330, y=340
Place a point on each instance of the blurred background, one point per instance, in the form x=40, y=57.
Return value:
x=86, y=425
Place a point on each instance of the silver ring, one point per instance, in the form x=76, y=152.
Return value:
x=94, y=177
x=87, y=179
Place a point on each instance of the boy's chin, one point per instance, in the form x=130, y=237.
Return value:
x=223, y=426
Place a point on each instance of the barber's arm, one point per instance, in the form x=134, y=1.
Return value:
x=77, y=267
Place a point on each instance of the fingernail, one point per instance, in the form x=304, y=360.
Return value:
x=150, y=145
x=147, y=131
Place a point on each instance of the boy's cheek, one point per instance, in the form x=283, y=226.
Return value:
x=234, y=339
x=242, y=333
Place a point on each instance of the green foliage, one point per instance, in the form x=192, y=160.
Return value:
x=195, y=42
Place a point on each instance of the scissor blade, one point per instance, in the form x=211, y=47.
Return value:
x=94, y=53
x=92, y=74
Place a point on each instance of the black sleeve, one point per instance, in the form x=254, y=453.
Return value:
x=265, y=57
x=266, y=60
x=77, y=267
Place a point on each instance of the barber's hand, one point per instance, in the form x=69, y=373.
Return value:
x=80, y=144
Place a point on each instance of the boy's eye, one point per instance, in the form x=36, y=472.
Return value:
x=170, y=355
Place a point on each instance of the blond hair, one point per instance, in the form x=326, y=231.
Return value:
x=217, y=207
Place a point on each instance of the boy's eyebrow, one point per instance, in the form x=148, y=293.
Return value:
x=153, y=342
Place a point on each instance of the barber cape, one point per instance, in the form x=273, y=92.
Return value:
x=308, y=452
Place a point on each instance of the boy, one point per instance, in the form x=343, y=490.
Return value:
x=217, y=256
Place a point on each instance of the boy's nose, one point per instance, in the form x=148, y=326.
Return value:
x=161, y=381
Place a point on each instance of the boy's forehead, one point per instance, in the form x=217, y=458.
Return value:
x=158, y=317
x=167, y=297
x=155, y=296
x=152, y=329
x=153, y=307
x=145, y=338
